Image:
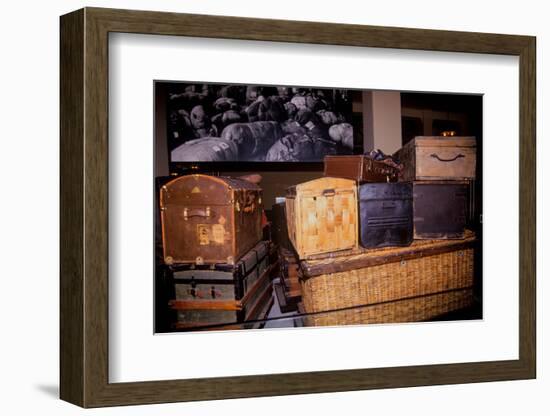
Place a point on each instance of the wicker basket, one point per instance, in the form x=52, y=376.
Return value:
x=384, y=275
x=416, y=309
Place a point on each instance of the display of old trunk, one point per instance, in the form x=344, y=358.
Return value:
x=401, y=284
x=360, y=168
x=440, y=209
x=438, y=158
x=209, y=219
x=251, y=232
x=224, y=294
x=385, y=214
x=322, y=216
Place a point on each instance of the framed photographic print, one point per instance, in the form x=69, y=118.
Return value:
x=235, y=188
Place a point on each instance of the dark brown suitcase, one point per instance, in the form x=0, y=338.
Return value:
x=440, y=209
x=225, y=294
x=209, y=219
x=359, y=168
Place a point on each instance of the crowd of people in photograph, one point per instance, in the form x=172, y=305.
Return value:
x=211, y=122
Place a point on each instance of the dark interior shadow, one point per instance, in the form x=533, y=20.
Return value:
x=49, y=390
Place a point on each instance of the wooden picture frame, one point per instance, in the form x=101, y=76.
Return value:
x=84, y=207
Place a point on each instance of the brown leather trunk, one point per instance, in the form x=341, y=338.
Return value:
x=438, y=158
x=440, y=209
x=359, y=168
x=209, y=219
x=322, y=216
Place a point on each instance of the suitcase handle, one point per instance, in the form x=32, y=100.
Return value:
x=329, y=192
x=447, y=160
x=197, y=212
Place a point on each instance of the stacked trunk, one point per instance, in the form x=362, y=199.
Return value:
x=224, y=296
x=209, y=220
x=440, y=209
x=413, y=259
x=385, y=214
x=213, y=249
x=322, y=216
x=428, y=158
x=441, y=169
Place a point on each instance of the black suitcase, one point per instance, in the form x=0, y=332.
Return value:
x=440, y=209
x=385, y=214
x=223, y=294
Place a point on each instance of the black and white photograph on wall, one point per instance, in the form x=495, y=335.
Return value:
x=229, y=123
x=303, y=206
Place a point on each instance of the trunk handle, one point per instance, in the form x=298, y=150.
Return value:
x=247, y=202
x=329, y=192
x=447, y=160
x=197, y=212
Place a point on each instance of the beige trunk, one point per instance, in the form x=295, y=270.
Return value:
x=438, y=158
x=322, y=216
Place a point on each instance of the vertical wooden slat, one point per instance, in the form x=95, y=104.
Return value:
x=527, y=209
x=72, y=341
x=96, y=212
